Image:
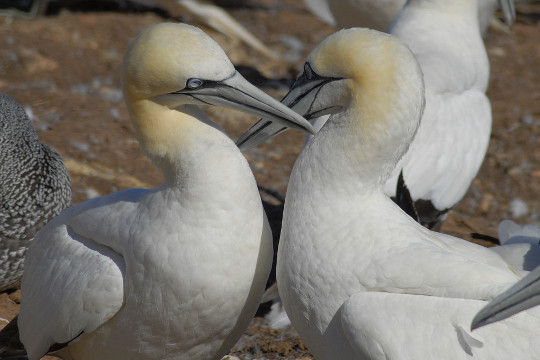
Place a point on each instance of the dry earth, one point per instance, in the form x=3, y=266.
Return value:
x=65, y=68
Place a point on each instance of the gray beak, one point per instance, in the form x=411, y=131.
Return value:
x=523, y=295
x=237, y=93
x=509, y=11
x=301, y=98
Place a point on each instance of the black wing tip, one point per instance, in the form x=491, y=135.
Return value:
x=404, y=200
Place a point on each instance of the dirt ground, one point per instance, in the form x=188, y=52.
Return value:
x=65, y=68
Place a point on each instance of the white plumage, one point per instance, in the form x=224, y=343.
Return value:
x=453, y=137
x=378, y=14
x=175, y=272
x=358, y=277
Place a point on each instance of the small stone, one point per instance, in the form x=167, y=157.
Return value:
x=518, y=208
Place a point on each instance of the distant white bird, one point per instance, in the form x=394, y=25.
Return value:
x=525, y=294
x=216, y=18
x=454, y=134
x=358, y=277
x=453, y=137
x=175, y=272
x=378, y=14
x=34, y=188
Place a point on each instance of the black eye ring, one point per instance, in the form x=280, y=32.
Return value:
x=194, y=83
x=308, y=71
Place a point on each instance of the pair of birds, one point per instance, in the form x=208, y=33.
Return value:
x=178, y=271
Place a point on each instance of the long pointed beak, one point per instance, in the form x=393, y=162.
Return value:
x=509, y=11
x=237, y=93
x=300, y=98
x=523, y=295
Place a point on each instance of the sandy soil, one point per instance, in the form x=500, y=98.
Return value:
x=65, y=68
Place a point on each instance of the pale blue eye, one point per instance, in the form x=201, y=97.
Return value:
x=194, y=83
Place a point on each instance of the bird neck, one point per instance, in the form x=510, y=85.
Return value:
x=185, y=145
x=364, y=143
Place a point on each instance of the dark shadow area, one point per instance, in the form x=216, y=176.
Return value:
x=255, y=77
x=238, y=4
x=274, y=212
x=32, y=8
x=55, y=6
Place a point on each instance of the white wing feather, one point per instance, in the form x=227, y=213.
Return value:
x=448, y=149
x=81, y=275
x=443, y=333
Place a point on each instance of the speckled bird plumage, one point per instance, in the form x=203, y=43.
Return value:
x=34, y=188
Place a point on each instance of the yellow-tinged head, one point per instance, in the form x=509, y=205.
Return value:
x=169, y=69
x=373, y=69
x=378, y=97
x=163, y=57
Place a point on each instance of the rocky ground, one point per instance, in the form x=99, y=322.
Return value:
x=64, y=67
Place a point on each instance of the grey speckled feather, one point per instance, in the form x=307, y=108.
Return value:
x=34, y=188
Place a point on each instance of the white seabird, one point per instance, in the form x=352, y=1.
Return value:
x=453, y=137
x=359, y=278
x=34, y=188
x=175, y=272
x=378, y=14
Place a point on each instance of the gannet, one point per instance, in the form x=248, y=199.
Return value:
x=34, y=188
x=175, y=272
x=453, y=137
x=454, y=134
x=358, y=277
x=525, y=294
x=378, y=14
